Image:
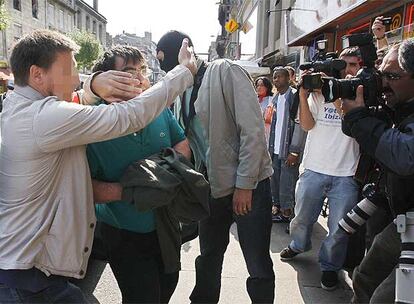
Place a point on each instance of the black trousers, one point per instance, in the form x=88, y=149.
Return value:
x=254, y=236
x=135, y=260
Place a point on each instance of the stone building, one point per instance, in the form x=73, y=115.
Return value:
x=89, y=19
x=64, y=16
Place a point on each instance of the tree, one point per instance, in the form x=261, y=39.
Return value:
x=4, y=16
x=90, y=49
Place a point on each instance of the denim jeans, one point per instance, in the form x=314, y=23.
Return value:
x=61, y=292
x=311, y=190
x=283, y=183
x=254, y=237
x=374, y=279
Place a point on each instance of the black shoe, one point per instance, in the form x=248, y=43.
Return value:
x=280, y=218
x=329, y=280
x=287, y=254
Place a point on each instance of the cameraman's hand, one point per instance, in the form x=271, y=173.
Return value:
x=303, y=93
x=186, y=57
x=348, y=105
x=378, y=28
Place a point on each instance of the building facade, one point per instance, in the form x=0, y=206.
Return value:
x=64, y=16
x=90, y=20
x=287, y=30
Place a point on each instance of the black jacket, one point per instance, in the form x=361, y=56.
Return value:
x=168, y=184
x=393, y=148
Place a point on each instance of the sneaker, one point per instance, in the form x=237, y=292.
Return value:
x=280, y=218
x=329, y=280
x=287, y=254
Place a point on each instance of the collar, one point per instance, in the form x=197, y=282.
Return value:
x=28, y=92
x=286, y=93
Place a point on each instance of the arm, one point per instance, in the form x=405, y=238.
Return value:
x=60, y=124
x=305, y=115
x=239, y=94
x=378, y=29
x=104, y=192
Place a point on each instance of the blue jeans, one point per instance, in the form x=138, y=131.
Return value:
x=62, y=292
x=283, y=183
x=254, y=236
x=311, y=190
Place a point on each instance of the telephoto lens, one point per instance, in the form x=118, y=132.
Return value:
x=363, y=210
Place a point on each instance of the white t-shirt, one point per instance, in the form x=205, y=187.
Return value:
x=280, y=110
x=328, y=150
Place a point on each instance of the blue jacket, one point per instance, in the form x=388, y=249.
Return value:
x=293, y=136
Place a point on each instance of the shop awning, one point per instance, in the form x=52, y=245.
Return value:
x=363, y=10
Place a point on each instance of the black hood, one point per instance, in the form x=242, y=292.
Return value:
x=170, y=44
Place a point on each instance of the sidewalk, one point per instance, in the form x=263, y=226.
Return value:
x=297, y=281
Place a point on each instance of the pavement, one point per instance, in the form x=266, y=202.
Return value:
x=297, y=281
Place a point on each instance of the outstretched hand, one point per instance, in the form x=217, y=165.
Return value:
x=186, y=57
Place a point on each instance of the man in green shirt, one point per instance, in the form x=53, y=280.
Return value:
x=130, y=237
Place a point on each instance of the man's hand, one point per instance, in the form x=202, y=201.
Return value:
x=292, y=160
x=242, y=201
x=186, y=57
x=115, y=86
x=348, y=105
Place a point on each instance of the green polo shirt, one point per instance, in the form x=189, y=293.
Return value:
x=108, y=161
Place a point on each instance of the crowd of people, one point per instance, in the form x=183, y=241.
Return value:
x=118, y=169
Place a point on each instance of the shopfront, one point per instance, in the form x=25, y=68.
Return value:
x=323, y=19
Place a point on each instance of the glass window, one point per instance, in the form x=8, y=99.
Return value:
x=94, y=27
x=35, y=9
x=51, y=14
x=79, y=16
x=17, y=31
x=61, y=20
x=88, y=24
x=17, y=5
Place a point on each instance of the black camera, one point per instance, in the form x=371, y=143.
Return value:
x=386, y=20
x=333, y=88
x=373, y=198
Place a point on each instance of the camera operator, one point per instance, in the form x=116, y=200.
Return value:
x=393, y=148
x=329, y=161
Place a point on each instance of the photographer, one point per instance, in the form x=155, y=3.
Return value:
x=329, y=161
x=393, y=148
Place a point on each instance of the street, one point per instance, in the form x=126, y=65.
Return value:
x=296, y=282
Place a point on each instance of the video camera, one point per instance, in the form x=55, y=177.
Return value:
x=325, y=62
x=333, y=88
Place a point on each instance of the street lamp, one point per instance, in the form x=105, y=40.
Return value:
x=289, y=9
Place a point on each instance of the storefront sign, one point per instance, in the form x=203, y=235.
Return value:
x=307, y=16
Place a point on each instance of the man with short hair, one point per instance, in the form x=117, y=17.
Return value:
x=226, y=133
x=393, y=148
x=286, y=143
x=130, y=237
x=47, y=216
x=329, y=161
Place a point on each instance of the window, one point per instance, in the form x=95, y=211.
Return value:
x=17, y=31
x=79, y=16
x=17, y=5
x=94, y=27
x=35, y=8
x=88, y=24
x=69, y=22
x=100, y=33
x=51, y=14
x=61, y=20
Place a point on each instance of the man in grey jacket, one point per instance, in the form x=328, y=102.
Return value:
x=226, y=132
x=47, y=216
